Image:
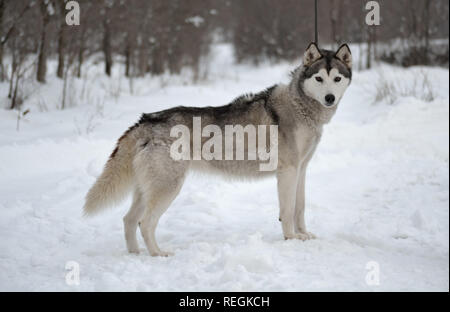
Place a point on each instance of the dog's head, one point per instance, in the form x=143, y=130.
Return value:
x=326, y=74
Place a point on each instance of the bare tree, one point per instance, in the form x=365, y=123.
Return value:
x=45, y=9
x=6, y=33
x=2, y=12
x=19, y=69
x=106, y=46
x=61, y=37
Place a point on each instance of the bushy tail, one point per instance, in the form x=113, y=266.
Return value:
x=116, y=179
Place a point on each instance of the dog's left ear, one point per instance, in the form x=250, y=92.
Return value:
x=344, y=54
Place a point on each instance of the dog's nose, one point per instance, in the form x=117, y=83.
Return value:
x=329, y=98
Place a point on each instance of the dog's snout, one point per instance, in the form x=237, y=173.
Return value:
x=329, y=98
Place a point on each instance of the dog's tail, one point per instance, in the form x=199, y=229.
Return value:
x=116, y=179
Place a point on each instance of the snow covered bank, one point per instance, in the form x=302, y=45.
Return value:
x=377, y=190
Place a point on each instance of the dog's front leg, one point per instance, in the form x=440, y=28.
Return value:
x=300, y=206
x=287, y=185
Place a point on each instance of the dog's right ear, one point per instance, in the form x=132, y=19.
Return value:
x=311, y=55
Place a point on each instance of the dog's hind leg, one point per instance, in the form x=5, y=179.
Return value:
x=157, y=204
x=160, y=179
x=131, y=220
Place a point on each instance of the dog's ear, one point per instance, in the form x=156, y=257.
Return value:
x=311, y=55
x=345, y=55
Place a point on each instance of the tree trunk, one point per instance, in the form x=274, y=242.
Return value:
x=42, y=58
x=60, y=70
x=107, y=47
x=369, y=48
x=2, y=69
x=11, y=84
x=127, y=60
x=80, y=60
x=375, y=43
x=65, y=76
x=13, y=71
x=16, y=88
x=16, y=71
x=61, y=41
x=427, y=31
x=81, y=51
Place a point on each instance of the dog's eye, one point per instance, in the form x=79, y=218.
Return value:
x=337, y=79
x=319, y=79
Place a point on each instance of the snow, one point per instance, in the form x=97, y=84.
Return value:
x=197, y=21
x=377, y=190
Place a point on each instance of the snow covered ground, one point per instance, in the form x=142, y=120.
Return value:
x=377, y=191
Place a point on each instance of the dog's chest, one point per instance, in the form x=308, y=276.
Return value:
x=306, y=140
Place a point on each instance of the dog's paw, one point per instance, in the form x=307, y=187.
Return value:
x=301, y=236
x=309, y=235
x=162, y=254
x=134, y=251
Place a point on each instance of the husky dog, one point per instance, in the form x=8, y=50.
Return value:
x=141, y=161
